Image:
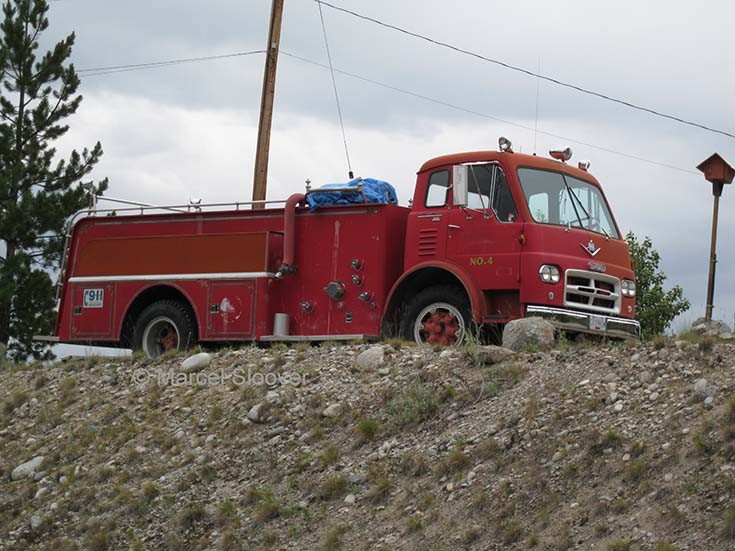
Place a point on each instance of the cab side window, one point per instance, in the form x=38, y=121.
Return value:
x=502, y=200
x=488, y=189
x=436, y=191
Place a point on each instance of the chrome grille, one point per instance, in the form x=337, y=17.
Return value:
x=592, y=291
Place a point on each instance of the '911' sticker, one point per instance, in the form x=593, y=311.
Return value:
x=94, y=298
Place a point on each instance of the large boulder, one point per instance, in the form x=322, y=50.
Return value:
x=525, y=333
x=372, y=358
x=712, y=328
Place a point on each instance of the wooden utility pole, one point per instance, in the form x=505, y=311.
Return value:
x=260, y=178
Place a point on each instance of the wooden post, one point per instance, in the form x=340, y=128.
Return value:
x=260, y=177
x=719, y=172
x=717, y=192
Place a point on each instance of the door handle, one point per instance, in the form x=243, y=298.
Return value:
x=454, y=226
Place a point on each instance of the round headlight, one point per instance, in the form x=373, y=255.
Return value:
x=549, y=273
x=628, y=288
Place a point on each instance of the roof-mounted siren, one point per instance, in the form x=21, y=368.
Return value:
x=561, y=154
x=584, y=165
x=504, y=145
x=195, y=203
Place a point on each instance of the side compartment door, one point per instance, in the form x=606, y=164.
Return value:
x=92, y=310
x=231, y=309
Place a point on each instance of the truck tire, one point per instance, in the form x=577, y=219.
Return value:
x=437, y=315
x=163, y=326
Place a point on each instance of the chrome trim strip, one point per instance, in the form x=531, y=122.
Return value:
x=579, y=321
x=156, y=277
x=45, y=338
x=315, y=338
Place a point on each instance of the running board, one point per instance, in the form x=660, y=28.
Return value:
x=45, y=338
x=315, y=338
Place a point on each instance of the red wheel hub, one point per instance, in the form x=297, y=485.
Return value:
x=168, y=339
x=440, y=327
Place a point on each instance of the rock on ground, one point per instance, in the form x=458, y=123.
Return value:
x=257, y=413
x=27, y=469
x=197, y=362
x=713, y=328
x=523, y=333
x=490, y=355
x=372, y=358
x=334, y=410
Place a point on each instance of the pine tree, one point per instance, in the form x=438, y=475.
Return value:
x=38, y=192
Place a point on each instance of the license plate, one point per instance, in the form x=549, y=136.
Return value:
x=598, y=323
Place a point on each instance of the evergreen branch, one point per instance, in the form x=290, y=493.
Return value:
x=7, y=118
x=44, y=128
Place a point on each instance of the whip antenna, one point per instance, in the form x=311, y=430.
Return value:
x=336, y=95
x=535, y=124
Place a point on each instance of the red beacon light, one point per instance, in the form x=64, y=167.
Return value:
x=560, y=154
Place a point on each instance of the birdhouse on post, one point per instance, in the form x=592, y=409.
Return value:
x=719, y=172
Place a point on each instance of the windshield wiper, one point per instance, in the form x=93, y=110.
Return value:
x=576, y=201
x=581, y=205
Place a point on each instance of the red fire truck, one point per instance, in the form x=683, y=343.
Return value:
x=490, y=236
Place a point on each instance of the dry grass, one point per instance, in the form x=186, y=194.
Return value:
x=333, y=539
x=380, y=490
x=367, y=430
x=333, y=487
x=728, y=524
x=414, y=404
x=192, y=514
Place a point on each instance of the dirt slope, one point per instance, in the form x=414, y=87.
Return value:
x=374, y=447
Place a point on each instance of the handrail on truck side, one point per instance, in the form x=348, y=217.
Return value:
x=136, y=207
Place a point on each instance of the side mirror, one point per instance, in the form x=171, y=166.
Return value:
x=459, y=185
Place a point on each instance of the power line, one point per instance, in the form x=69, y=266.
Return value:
x=526, y=71
x=336, y=95
x=153, y=65
x=96, y=71
x=485, y=115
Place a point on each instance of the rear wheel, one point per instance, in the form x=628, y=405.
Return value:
x=437, y=315
x=163, y=326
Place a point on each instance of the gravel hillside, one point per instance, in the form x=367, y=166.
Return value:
x=388, y=446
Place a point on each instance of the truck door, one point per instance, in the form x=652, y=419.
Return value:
x=483, y=237
x=427, y=230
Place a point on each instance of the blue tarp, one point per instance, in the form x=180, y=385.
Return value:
x=375, y=191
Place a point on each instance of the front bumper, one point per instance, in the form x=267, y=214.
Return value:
x=572, y=320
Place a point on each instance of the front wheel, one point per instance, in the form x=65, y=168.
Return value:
x=437, y=315
x=163, y=326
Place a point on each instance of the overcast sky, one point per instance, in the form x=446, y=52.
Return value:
x=190, y=130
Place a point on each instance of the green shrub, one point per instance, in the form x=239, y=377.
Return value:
x=655, y=308
x=367, y=429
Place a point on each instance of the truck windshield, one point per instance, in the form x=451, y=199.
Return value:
x=555, y=198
